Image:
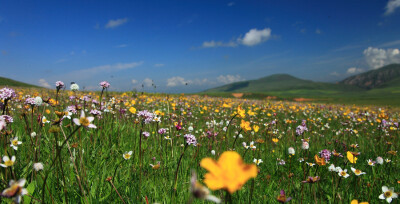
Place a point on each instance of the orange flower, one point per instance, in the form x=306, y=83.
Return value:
x=245, y=125
x=229, y=172
x=320, y=160
x=356, y=202
x=241, y=112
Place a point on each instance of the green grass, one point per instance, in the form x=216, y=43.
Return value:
x=9, y=82
x=97, y=153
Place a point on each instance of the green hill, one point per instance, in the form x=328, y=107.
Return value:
x=283, y=83
x=9, y=82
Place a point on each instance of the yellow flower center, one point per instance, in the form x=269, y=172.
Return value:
x=388, y=194
x=357, y=172
x=127, y=156
x=15, y=142
x=9, y=163
x=343, y=173
x=84, y=121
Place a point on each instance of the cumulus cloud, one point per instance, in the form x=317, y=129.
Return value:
x=229, y=79
x=377, y=58
x=255, y=37
x=159, y=65
x=148, y=82
x=354, y=70
x=115, y=23
x=44, y=83
x=176, y=81
x=251, y=38
x=391, y=6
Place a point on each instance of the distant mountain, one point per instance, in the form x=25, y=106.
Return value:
x=9, y=82
x=281, y=82
x=383, y=77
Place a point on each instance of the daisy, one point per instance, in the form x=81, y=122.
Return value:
x=343, y=173
x=252, y=146
x=370, y=162
x=332, y=168
x=127, y=155
x=14, y=143
x=84, y=121
x=258, y=161
x=357, y=172
x=16, y=190
x=388, y=194
x=7, y=161
x=44, y=120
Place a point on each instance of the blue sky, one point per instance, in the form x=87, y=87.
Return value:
x=203, y=44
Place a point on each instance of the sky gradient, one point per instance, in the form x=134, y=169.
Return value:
x=203, y=44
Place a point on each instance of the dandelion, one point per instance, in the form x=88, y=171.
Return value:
x=14, y=143
x=343, y=173
x=8, y=162
x=229, y=172
x=38, y=166
x=357, y=172
x=388, y=194
x=84, y=121
x=16, y=190
x=127, y=155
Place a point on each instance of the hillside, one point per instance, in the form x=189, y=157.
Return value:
x=282, y=82
x=377, y=78
x=9, y=82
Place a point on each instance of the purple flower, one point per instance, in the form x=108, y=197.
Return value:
x=146, y=116
x=190, y=139
x=7, y=118
x=146, y=134
x=311, y=179
x=30, y=101
x=71, y=109
x=325, y=154
x=282, y=197
x=7, y=93
x=95, y=112
x=162, y=131
x=59, y=85
x=104, y=84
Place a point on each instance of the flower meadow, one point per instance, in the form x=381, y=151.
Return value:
x=71, y=146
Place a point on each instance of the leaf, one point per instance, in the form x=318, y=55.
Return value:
x=30, y=189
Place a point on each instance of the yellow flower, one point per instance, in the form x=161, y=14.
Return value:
x=229, y=172
x=256, y=128
x=245, y=125
x=132, y=110
x=351, y=157
x=241, y=112
x=356, y=202
x=275, y=140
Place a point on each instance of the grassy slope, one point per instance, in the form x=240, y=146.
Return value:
x=9, y=82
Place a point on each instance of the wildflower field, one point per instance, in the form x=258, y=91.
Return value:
x=69, y=146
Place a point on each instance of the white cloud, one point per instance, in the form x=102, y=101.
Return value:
x=390, y=44
x=229, y=79
x=251, y=38
x=44, y=83
x=354, y=70
x=116, y=23
x=148, y=82
x=159, y=65
x=176, y=81
x=334, y=74
x=377, y=58
x=212, y=43
x=254, y=36
x=391, y=6
x=134, y=81
x=231, y=3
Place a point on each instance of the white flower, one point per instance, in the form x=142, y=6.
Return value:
x=343, y=173
x=357, y=172
x=7, y=161
x=38, y=101
x=74, y=87
x=379, y=160
x=291, y=151
x=14, y=143
x=370, y=162
x=33, y=134
x=305, y=145
x=127, y=155
x=44, y=120
x=15, y=190
x=388, y=194
x=213, y=152
x=190, y=128
x=332, y=168
x=257, y=161
x=84, y=121
x=38, y=166
x=252, y=146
